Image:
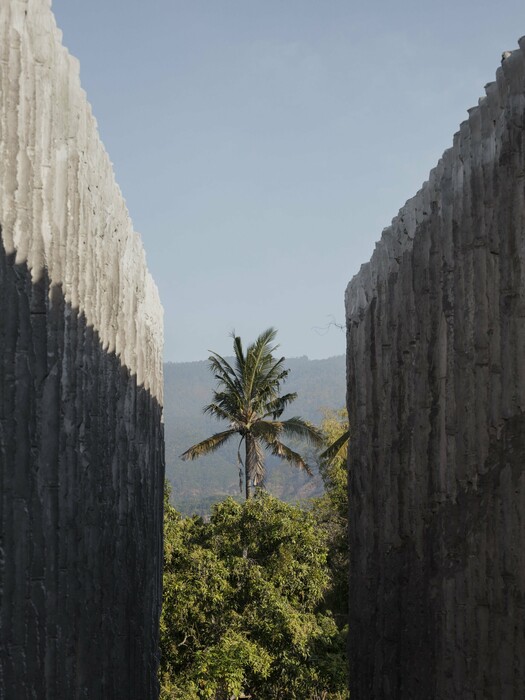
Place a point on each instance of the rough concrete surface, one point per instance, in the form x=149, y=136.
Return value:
x=81, y=437
x=436, y=394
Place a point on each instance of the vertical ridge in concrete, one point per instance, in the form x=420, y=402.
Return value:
x=81, y=438
x=436, y=341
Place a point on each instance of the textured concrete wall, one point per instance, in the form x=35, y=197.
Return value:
x=81, y=444
x=436, y=366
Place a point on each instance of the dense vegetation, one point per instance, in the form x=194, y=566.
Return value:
x=331, y=511
x=255, y=598
x=197, y=485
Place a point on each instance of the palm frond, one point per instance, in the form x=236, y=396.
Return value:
x=217, y=411
x=240, y=463
x=227, y=381
x=275, y=407
x=281, y=450
x=219, y=365
x=258, y=357
x=332, y=450
x=209, y=445
x=266, y=387
x=274, y=375
x=297, y=427
x=267, y=430
x=227, y=397
x=254, y=464
x=239, y=355
x=258, y=466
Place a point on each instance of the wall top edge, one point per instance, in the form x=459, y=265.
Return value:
x=61, y=209
x=481, y=127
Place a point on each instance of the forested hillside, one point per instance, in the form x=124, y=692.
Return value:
x=188, y=387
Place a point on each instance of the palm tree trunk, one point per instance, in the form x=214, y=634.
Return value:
x=249, y=464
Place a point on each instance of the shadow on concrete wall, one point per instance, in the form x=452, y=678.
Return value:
x=81, y=486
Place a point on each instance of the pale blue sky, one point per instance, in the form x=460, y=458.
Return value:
x=263, y=145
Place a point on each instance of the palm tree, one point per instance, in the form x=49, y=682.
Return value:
x=248, y=398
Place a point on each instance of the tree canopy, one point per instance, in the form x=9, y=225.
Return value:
x=243, y=605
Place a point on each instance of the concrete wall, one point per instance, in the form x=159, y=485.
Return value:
x=81, y=438
x=436, y=393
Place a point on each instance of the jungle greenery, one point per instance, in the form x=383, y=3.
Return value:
x=255, y=598
x=331, y=510
x=248, y=398
x=243, y=605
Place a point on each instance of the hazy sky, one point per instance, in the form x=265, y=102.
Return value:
x=263, y=145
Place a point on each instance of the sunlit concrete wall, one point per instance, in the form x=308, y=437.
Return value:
x=81, y=438
x=436, y=394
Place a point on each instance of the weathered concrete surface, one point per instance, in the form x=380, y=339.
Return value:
x=436, y=366
x=81, y=443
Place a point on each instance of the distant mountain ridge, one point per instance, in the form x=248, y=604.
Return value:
x=188, y=388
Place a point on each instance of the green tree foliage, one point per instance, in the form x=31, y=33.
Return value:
x=242, y=606
x=248, y=398
x=331, y=509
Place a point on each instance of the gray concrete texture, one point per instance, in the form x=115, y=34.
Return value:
x=81, y=435
x=436, y=397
